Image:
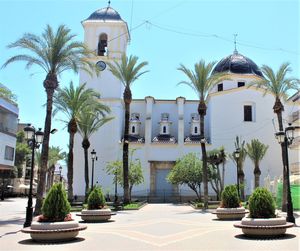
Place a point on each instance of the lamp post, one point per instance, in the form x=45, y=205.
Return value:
x=94, y=157
x=286, y=137
x=60, y=177
x=236, y=154
x=34, y=139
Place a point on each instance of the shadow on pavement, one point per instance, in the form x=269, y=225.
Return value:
x=283, y=237
x=97, y=222
x=14, y=221
x=31, y=242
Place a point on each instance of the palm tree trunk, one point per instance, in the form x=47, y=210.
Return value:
x=50, y=84
x=86, y=145
x=257, y=173
x=278, y=109
x=72, y=129
x=127, y=100
x=202, y=112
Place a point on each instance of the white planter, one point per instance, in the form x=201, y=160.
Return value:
x=54, y=231
x=264, y=227
x=96, y=215
x=230, y=213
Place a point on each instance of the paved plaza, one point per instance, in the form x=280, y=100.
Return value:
x=154, y=227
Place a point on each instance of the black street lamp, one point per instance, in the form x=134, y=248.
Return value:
x=60, y=176
x=34, y=139
x=94, y=157
x=236, y=155
x=286, y=138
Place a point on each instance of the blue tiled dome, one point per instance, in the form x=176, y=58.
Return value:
x=105, y=14
x=237, y=63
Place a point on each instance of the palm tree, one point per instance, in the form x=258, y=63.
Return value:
x=240, y=163
x=127, y=71
x=55, y=52
x=278, y=84
x=202, y=81
x=256, y=152
x=71, y=101
x=89, y=122
x=55, y=155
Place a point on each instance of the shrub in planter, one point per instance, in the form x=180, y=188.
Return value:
x=96, y=199
x=230, y=208
x=261, y=204
x=230, y=198
x=56, y=206
x=262, y=220
x=56, y=223
x=96, y=210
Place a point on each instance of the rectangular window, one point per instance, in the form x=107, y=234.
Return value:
x=9, y=153
x=248, y=113
x=240, y=84
x=220, y=87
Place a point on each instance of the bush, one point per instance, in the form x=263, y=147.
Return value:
x=261, y=204
x=56, y=206
x=230, y=198
x=96, y=199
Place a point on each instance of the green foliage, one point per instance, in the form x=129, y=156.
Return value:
x=230, y=198
x=261, y=204
x=7, y=94
x=277, y=83
x=136, y=176
x=96, y=199
x=22, y=150
x=256, y=150
x=187, y=171
x=128, y=70
x=56, y=206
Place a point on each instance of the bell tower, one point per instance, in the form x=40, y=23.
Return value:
x=107, y=34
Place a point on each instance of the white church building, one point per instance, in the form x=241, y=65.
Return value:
x=165, y=130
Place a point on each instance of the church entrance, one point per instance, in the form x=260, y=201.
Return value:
x=160, y=189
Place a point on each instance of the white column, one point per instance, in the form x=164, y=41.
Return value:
x=148, y=121
x=180, y=106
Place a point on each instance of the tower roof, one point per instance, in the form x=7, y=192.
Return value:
x=237, y=63
x=105, y=14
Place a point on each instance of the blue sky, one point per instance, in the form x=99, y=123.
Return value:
x=175, y=32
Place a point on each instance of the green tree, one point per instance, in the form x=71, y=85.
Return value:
x=256, y=152
x=71, y=101
x=55, y=155
x=54, y=52
x=240, y=163
x=216, y=157
x=187, y=171
x=202, y=81
x=135, y=176
x=7, y=94
x=127, y=71
x=89, y=122
x=279, y=85
x=22, y=150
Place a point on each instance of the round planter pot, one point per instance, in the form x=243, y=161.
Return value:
x=96, y=215
x=264, y=227
x=53, y=231
x=230, y=213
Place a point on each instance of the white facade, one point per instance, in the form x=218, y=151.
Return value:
x=8, y=129
x=165, y=130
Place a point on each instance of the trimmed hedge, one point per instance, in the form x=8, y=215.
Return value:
x=261, y=204
x=56, y=206
x=96, y=199
x=230, y=198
